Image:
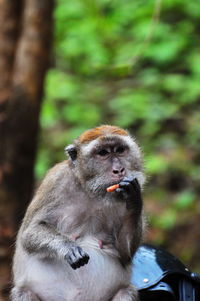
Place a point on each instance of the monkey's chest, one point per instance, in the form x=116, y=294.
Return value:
x=100, y=225
x=100, y=278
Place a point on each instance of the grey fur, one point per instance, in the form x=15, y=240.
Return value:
x=72, y=212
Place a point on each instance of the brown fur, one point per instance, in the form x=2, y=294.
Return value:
x=101, y=131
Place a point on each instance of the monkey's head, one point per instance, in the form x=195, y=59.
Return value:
x=103, y=156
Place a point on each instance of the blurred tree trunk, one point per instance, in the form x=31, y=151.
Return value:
x=25, y=40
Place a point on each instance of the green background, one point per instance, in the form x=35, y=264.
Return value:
x=113, y=63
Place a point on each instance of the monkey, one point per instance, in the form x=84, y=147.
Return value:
x=77, y=240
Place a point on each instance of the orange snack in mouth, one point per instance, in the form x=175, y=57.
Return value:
x=112, y=188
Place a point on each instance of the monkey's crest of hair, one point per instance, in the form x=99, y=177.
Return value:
x=103, y=130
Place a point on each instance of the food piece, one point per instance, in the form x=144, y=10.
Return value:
x=112, y=188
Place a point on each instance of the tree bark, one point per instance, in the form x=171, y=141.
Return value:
x=25, y=40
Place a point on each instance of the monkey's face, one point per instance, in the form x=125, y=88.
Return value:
x=106, y=161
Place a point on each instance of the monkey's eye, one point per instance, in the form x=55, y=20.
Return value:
x=120, y=149
x=103, y=152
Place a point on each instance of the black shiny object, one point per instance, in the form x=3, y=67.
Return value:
x=152, y=264
x=158, y=275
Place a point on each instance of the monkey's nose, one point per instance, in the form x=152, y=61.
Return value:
x=119, y=171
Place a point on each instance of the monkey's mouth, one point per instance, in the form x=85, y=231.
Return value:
x=113, y=181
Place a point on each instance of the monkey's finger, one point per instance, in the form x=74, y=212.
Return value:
x=82, y=257
x=71, y=262
x=128, y=179
x=85, y=260
x=77, y=252
x=81, y=262
x=134, y=187
x=126, y=186
x=76, y=257
x=75, y=264
x=81, y=252
x=136, y=184
x=122, y=191
x=136, y=181
x=132, y=180
x=70, y=257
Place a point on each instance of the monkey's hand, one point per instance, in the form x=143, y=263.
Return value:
x=76, y=257
x=130, y=190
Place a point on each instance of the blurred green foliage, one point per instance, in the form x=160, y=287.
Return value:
x=105, y=69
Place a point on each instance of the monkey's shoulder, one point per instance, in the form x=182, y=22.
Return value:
x=56, y=172
x=55, y=189
x=58, y=176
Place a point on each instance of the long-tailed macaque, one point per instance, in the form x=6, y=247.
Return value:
x=77, y=239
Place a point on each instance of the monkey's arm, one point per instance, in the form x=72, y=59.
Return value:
x=42, y=238
x=131, y=231
x=39, y=233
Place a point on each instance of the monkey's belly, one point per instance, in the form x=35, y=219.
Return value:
x=97, y=281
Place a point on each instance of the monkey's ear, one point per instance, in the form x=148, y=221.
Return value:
x=71, y=151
